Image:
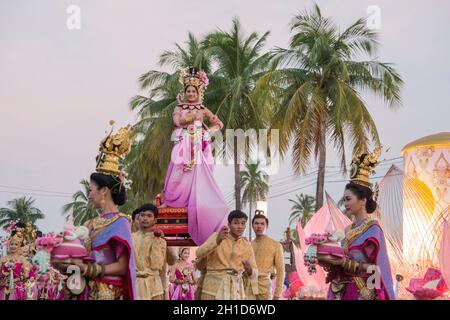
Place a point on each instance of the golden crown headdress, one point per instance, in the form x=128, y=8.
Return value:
x=190, y=77
x=113, y=149
x=24, y=233
x=17, y=237
x=362, y=167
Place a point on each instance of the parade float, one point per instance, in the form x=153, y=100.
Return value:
x=173, y=223
x=414, y=208
x=414, y=212
x=191, y=206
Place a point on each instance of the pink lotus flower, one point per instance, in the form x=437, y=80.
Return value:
x=48, y=242
x=316, y=239
x=10, y=227
x=203, y=78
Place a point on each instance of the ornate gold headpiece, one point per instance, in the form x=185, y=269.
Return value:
x=17, y=237
x=199, y=80
x=25, y=234
x=113, y=148
x=363, y=166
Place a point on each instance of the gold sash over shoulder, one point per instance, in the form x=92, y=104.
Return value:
x=99, y=224
x=350, y=237
x=355, y=233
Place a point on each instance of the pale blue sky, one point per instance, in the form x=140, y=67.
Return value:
x=59, y=87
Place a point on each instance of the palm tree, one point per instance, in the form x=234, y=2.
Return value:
x=149, y=157
x=318, y=82
x=239, y=67
x=302, y=209
x=253, y=182
x=80, y=208
x=21, y=209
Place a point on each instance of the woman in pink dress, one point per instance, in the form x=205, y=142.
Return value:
x=14, y=272
x=189, y=180
x=182, y=276
x=364, y=273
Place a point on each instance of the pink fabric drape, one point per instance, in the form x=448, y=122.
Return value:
x=444, y=253
x=327, y=218
x=195, y=189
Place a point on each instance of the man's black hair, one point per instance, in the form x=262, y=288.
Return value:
x=236, y=214
x=148, y=207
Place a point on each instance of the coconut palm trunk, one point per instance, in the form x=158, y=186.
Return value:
x=237, y=184
x=250, y=222
x=253, y=182
x=322, y=162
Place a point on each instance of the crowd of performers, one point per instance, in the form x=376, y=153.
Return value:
x=128, y=257
x=227, y=265
x=119, y=256
x=21, y=277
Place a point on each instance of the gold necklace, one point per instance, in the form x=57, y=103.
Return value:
x=354, y=233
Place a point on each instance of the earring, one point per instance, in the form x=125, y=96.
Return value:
x=103, y=202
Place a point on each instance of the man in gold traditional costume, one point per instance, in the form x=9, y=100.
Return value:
x=269, y=258
x=229, y=261
x=152, y=256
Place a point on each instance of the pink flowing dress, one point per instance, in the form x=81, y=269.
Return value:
x=18, y=277
x=190, y=180
x=368, y=247
x=184, y=274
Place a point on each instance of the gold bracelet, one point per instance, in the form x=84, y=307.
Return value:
x=103, y=269
x=92, y=275
x=85, y=270
x=94, y=270
x=345, y=264
x=98, y=269
x=349, y=265
x=355, y=266
x=91, y=270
